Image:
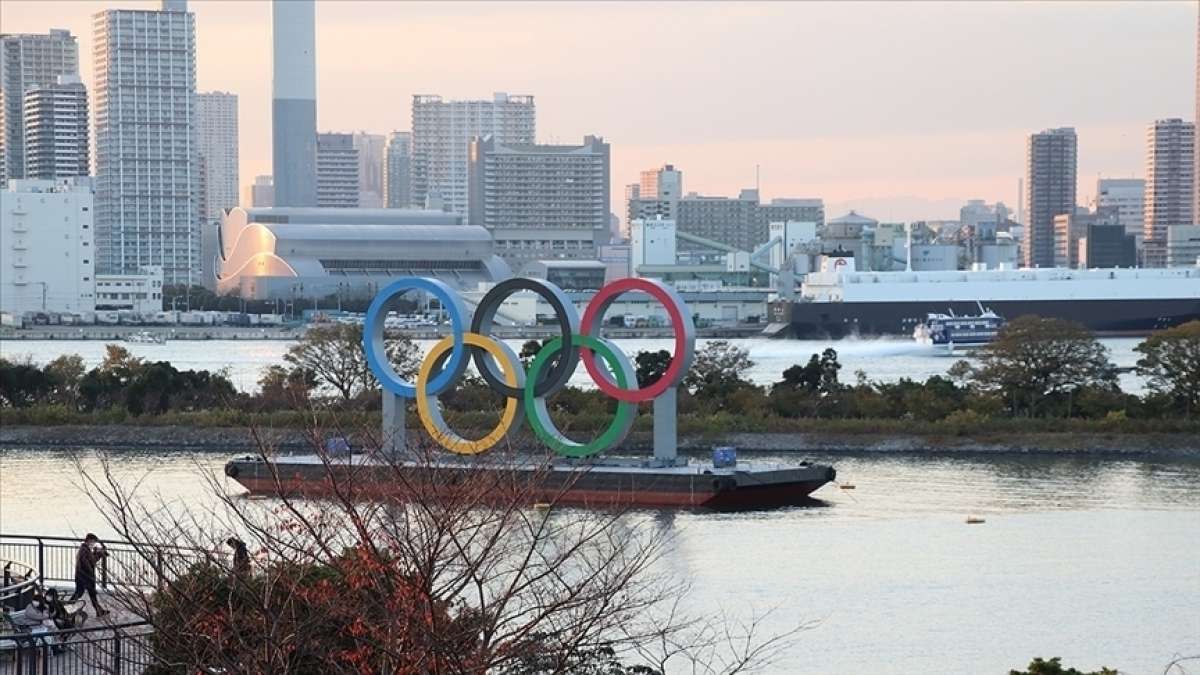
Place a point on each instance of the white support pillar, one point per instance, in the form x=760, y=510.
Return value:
x=393, y=439
x=666, y=441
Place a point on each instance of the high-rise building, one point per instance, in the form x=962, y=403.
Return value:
x=397, y=191
x=656, y=195
x=1170, y=150
x=1196, y=147
x=370, y=149
x=1126, y=195
x=55, y=119
x=742, y=222
x=28, y=60
x=147, y=161
x=217, y=137
x=338, y=182
x=441, y=132
x=541, y=201
x=294, y=102
x=260, y=193
x=1050, y=190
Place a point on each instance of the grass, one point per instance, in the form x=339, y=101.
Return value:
x=960, y=424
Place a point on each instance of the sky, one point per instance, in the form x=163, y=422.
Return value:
x=900, y=110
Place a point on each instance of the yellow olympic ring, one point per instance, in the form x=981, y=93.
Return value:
x=430, y=414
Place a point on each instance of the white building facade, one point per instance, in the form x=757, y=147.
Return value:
x=441, y=133
x=47, y=262
x=147, y=160
x=217, y=138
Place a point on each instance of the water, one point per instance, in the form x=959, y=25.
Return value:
x=1092, y=560
x=883, y=360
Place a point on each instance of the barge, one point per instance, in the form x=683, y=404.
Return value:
x=597, y=484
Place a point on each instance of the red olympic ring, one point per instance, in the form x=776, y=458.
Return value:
x=680, y=322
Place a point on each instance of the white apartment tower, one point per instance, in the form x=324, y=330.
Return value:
x=1170, y=156
x=441, y=132
x=397, y=193
x=338, y=181
x=28, y=60
x=55, y=119
x=147, y=161
x=217, y=140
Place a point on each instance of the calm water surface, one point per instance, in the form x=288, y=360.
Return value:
x=1097, y=561
x=881, y=359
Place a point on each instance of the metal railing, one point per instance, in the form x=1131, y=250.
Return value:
x=128, y=564
x=118, y=649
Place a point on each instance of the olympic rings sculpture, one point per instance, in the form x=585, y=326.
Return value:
x=525, y=392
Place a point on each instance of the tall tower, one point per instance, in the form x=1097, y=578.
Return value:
x=294, y=102
x=1049, y=190
x=1170, y=157
x=28, y=60
x=147, y=163
x=217, y=133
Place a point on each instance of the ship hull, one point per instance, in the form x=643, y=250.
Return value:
x=818, y=320
x=595, y=486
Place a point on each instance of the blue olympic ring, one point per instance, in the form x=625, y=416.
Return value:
x=376, y=352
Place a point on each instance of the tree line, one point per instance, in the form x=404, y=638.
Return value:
x=1036, y=368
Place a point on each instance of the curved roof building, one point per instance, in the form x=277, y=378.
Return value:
x=267, y=253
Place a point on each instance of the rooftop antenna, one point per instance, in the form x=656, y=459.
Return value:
x=756, y=180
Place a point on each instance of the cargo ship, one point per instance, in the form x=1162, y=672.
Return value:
x=837, y=301
x=602, y=483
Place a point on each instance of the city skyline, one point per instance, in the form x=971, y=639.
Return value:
x=943, y=139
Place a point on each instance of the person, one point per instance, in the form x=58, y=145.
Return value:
x=91, y=551
x=241, y=556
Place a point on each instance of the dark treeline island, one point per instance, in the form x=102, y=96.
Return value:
x=1040, y=375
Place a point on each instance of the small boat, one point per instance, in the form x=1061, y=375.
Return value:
x=847, y=486
x=975, y=520
x=961, y=332
x=145, y=337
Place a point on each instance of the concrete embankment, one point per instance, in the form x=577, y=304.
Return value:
x=236, y=439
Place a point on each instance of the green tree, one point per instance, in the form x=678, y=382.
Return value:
x=65, y=372
x=23, y=384
x=1035, y=361
x=718, y=371
x=332, y=355
x=1170, y=362
x=819, y=375
x=1054, y=666
x=651, y=366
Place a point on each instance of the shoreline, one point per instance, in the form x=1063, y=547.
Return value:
x=238, y=440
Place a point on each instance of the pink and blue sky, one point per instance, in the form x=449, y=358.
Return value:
x=899, y=109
